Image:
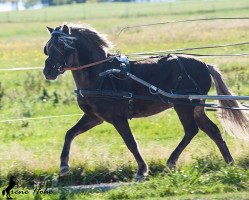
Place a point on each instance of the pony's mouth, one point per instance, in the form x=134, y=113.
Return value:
x=49, y=74
x=50, y=77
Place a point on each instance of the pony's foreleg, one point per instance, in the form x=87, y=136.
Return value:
x=186, y=117
x=122, y=126
x=206, y=125
x=84, y=124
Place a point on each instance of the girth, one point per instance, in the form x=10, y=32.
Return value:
x=127, y=96
x=115, y=92
x=112, y=94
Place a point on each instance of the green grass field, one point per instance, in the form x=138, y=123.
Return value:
x=31, y=149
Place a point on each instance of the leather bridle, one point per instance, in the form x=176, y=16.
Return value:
x=62, y=68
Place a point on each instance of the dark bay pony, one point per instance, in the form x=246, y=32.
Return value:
x=75, y=45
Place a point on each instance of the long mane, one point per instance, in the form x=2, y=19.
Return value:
x=90, y=37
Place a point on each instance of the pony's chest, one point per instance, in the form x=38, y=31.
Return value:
x=85, y=106
x=102, y=107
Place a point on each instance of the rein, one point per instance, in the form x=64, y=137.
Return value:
x=89, y=65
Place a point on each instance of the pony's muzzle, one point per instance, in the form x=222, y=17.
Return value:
x=49, y=75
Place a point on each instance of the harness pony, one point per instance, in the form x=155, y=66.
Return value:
x=124, y=70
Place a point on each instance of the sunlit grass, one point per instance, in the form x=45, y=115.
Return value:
x=32, y=148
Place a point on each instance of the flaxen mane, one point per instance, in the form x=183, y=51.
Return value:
x=90, y=38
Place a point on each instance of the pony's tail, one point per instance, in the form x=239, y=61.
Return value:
x=3, y=192
x=234, y=122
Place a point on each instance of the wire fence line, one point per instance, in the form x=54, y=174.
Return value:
x=69, y=115
x=21, y=68
x=38, y=118
x=173, y=51
x=183, y=50
x=180, y=21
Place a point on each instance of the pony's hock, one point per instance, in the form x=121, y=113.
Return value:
x=111, y=88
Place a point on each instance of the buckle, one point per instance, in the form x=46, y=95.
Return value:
x=80, y=91
x=77, y=92
x=128, y=96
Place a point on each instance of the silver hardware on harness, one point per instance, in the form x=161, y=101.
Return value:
x=129, y=96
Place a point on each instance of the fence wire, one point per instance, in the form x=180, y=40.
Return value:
x=38, y=118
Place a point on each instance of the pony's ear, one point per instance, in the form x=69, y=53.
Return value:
x=65, y=29
x=50, y=30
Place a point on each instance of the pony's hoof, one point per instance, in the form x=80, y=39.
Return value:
x=169, y=169
x=64, y=170
x=139, y=178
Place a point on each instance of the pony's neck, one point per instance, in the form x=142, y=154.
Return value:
x=88, y=78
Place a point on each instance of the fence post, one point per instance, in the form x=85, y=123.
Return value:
x=170, y=7
x=213, y=6
x=127, y=11
x=8, y=16
x=84, y=11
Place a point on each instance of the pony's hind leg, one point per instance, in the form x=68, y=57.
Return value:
x=206, y=125
x=122, y=126
x=84, y=124
x=186, y=116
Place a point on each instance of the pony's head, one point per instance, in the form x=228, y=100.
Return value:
x=72, y=46
x=61, y=52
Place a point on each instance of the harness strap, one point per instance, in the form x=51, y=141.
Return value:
x=124, y=65
x=113, y=83
x=89, y=65
x=111, y=94
x=123, y=95
x=180, y=77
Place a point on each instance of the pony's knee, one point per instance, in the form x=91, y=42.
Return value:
x=70, y=135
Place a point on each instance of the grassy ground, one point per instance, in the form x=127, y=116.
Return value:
x=31, y=149
x=196, y=181
x=223, y=196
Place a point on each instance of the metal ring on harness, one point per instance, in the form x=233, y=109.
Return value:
x=153, y=90
x=61, y=69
